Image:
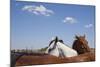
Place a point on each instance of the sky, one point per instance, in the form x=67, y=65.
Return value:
x=34, y=24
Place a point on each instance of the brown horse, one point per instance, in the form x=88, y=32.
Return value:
x=81, y=45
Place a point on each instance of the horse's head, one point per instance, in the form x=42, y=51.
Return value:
x=82, y=40
x=81, y=44
x=52, y=44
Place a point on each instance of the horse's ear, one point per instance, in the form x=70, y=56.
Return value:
x=84, y=36
x=56, y=39
x=76, y=37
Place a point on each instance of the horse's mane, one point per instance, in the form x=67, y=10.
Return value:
x=56, y=40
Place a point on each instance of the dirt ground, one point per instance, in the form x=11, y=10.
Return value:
x=48, y=59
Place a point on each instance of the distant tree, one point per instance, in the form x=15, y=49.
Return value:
x=43, y=49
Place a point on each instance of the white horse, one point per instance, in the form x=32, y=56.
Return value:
x=58, y=48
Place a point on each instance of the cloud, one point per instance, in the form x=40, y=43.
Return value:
x=70, y=20
x=88, y=25
x=38, y=10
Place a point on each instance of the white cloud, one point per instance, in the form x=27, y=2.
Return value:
x=38, y=10
x=88, y=25
x=70, y=20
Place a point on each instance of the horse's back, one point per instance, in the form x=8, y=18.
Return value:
x=68, y=52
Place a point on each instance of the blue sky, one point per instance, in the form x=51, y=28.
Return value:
x=33, y=24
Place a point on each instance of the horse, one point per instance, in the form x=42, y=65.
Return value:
x=58, y=48
x=54, y=53
x=81, y=45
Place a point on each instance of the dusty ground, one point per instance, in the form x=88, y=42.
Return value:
x=48, y=59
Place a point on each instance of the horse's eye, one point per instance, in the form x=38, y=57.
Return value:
x=82, y=47
x=49, y=50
